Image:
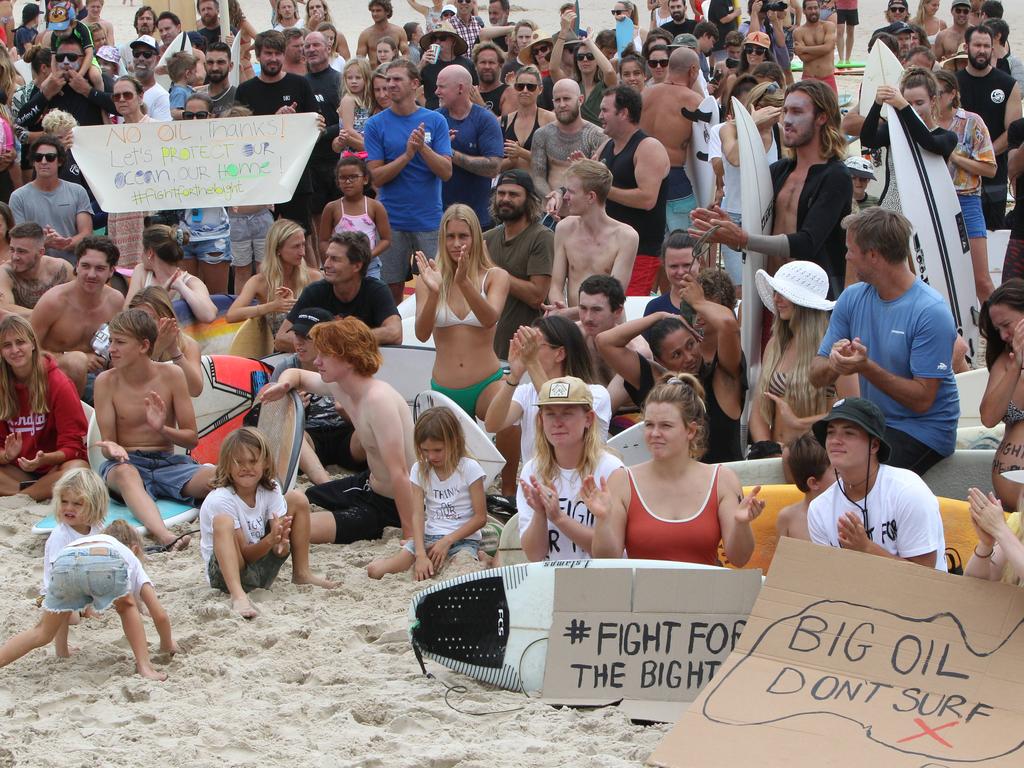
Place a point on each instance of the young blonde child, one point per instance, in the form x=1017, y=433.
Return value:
x=248, y=528
x=806, y=465
x=181, y=68
x=94, y=572
x=450, y=505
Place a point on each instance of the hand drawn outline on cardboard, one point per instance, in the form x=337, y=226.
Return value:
x=932, y=717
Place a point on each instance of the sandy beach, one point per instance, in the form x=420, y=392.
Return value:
x=321, y=678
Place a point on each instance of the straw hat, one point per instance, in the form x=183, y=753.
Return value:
x=802, y=282
x=459, y=46
x=960, y=55
x=526, y=54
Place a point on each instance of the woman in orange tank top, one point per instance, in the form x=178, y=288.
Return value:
x=675, y=507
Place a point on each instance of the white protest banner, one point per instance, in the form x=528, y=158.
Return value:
x=195, y=163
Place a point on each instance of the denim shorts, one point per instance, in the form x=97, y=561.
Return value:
x=974, y=217
x=79, y=578
x=209, y=251
x=470, y=545
x=164, y=475
x=248, y=236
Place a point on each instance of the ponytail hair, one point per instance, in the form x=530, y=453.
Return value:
x=684, y=391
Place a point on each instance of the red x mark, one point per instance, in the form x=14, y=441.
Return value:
x=928, y=731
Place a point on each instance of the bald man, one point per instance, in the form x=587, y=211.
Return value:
x=554, y=143
x=478, y=146
x=670, y=109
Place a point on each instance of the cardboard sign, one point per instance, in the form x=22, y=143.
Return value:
x=852, y=660
x=195, y=163
x=650, y=639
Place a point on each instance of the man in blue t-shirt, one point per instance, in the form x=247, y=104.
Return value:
x=478, y=146
x=897, y=334
x=409, y=154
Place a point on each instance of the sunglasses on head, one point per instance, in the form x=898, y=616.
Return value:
x=585, y=57
x=50, y=157
x=655, y=63
x=754, y=50
x=62, y=57
x=531, y=87
x=200, y=115
x=123, y=96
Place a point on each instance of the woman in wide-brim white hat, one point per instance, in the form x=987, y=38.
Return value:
x=785, y=403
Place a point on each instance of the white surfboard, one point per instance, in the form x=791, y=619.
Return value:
x=970, y=386
x=493, y=625
x=883, y=68
x=758, y=210
x=942, y=252
x=698, y=166
x=478, y=443
x=630, y=446
x=407, y=368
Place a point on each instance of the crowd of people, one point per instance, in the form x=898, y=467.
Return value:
x=529, y=183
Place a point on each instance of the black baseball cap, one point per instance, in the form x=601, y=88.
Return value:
x=520, y=178
x=29, y=12
x=862, y=412
x=308, y=318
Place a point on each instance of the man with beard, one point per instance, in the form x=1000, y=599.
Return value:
x=813, y=190
x=995, y=95
x=380, y=12
x=209, y=21
x=478, y=146
x=497, y=16
x=218, y=67
x=949, y=40
x=30, y=273
x=487, y=60
x=276, y=92
x=678, y=24
x=325, y=81
x=70, y=319
x=524, y=248
x=145, y=24
x=555, y=143
x=145, y=54
x=294, y=63
x=814, y=42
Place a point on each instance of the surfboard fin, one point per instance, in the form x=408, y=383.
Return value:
x=695, y=115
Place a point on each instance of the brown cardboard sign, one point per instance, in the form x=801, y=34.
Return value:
x=850, y=660
x=649, y=638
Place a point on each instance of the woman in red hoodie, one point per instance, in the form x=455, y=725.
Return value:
x=42, y=424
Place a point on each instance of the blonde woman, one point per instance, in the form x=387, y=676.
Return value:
x=785, y=403
x=999, y=554
x=927, y=19
x=172, y=345
x=356, y=104
x=271, y=293
x=459, y=298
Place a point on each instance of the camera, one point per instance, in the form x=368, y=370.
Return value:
x=776, y=5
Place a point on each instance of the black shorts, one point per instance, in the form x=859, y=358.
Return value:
x=298, y=210
x=359, y=513
x=333, y=445
x=325, y=186
x=847, y=17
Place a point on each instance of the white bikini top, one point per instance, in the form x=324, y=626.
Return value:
x=445, y=317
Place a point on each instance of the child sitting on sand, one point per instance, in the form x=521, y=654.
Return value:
x=449, y=500
x=96, y=571
x=807, y=466
x=246, y=524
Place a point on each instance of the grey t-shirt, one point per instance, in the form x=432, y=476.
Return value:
x=57, y=209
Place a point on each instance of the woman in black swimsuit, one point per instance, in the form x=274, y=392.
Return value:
x=518, y=127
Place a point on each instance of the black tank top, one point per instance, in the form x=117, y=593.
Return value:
x=650, y=225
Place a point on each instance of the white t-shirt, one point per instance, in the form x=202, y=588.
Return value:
x=447, y=502
x=158, y=103
x=137, y=577
x=568, y=485
x=62, y=535
x=526, y=395
x=251, y=520
x=903, y=516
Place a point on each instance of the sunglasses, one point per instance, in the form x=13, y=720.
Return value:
x=123, y=96
x=531, y=87
x=617, y=13
x=585, y=57
x=656, y=63
x=50, y=157
x=754, y=50
x=542, y=49
x=898, y=9
x=62, y=57
x=201, y=115
x=464, y=2
x=961, y=10
x=140, y=54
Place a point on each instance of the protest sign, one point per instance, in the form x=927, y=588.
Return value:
x=850, y=659
x=650, y=639
x=195, y=163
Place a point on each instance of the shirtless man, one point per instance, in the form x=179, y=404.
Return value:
x=360, y=505
x=143, y=411
x=30, y=272
x=68, y=318
x=951, y=38
x=554, y=143
x=814, y=42
x=598, y=244
x=670, y=109
x=380, y=12
x=813, y=191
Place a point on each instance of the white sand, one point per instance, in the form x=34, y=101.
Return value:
x=321, y=678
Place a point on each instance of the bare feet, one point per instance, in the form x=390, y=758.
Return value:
x=65, y=653
x=244, y=608
x=312, y=578
x=152, y=674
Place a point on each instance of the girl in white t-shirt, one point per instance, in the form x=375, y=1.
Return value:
x=554, y=521
x=450, y=505
x=97, y=571
x=248, y=528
